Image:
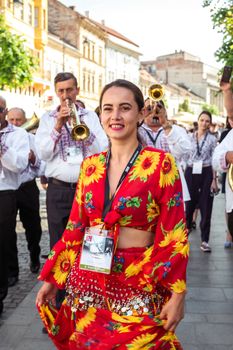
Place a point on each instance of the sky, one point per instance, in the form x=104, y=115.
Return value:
x=159, y=27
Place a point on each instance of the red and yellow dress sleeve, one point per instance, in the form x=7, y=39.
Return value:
x=65, y=251
x=165, y=262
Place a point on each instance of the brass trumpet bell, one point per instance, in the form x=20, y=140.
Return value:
x=31, y=123
x=156, y=92
x=80, y=132
x=230, y=176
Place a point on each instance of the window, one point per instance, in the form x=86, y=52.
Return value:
x=44, y=19
x=100, y=83
x=9, y=4
x=84, y=81
x=93, y=52
x=36, y=17
x=93, y=83
x=89, y=50
x=18, y=10
x=29, y=13
x=88, y=82
x=100, y=56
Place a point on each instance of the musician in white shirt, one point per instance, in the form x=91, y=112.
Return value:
x=14, y=150
x=63, y=155
x=27, y=196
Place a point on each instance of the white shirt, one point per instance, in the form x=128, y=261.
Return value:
x=206, y=144
x=53, y=149
x=33, y=170
x=14, y=150
x=177, y=142
x=219, y=164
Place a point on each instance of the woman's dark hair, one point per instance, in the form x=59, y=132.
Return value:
x=207, y=113
x=138, y=96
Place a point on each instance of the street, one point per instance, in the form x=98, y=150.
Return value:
x=208, y=321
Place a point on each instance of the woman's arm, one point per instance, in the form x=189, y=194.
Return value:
x=63, y=254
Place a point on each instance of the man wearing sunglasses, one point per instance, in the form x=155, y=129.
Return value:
x=14, y=150
x=158, y=132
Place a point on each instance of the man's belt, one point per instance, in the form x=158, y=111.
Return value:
x=60, y=183
x=27, y=183
x=4, y=192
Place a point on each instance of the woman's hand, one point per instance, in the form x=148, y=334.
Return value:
x=47, y=293
x=173, y=311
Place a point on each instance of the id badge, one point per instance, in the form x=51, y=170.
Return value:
x=97, y=250
x=74, y=155
x=197, y=167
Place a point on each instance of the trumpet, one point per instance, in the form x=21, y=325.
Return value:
x=79, y=130
x=32, y=123
x=156, y=92
x=230, y=176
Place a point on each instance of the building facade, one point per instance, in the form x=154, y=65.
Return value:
x=28, y=19
x=64, y=40
x=189, y=72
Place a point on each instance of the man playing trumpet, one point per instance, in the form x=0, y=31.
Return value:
x=158, y=132
x=62, y=154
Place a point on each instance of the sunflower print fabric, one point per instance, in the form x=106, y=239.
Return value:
x=149, y=199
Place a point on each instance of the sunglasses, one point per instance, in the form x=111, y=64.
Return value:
x=2, y=109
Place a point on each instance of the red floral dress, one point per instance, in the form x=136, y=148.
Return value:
x=121, y=310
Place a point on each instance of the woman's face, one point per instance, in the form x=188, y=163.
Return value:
x=204, y=122
x=120, y=113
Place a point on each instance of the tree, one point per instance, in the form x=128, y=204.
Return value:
x=16, y=63
x=222, y=17
x=184, y=107
x=213, y=109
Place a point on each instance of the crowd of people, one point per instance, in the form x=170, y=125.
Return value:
x=126, y=178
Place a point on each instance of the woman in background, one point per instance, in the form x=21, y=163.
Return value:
x=200, y=177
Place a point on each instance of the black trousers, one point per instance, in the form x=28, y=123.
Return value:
x=59, y=201
x=7, y=232
x=230, y=222
x=28, y=205
x=199, y=189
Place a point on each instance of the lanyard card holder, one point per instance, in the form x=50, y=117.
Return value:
x=197, y=167
x=97, y=250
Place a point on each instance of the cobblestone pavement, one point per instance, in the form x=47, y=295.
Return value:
x=27, y=280
x=208, y=318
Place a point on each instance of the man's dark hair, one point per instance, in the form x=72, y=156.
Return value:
x=63, y=76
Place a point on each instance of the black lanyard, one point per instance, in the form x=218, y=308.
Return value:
x=107, y=200
x=199, y=148
x=151, y=138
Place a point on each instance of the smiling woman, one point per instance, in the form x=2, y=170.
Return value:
x=128, y=198
x=201, y=178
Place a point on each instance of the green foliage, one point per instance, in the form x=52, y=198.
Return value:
x=213, y=109
x=222, y=17
x=184, y=106
x=16, y=63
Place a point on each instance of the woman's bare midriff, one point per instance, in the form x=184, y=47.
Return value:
x=130, y=237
